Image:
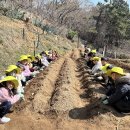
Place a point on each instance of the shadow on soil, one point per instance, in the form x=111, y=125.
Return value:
x=92, y=110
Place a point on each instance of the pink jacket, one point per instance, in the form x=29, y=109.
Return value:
x=4, y=96
x=27, y=71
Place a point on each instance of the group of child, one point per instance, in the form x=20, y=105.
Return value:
x=116, y=81
x=16, y=77
x=12, y=84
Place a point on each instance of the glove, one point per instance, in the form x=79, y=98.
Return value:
x=105, y=102
x=21, y=96
x=96, y=74
x=104, y=98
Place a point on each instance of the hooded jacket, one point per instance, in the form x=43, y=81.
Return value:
x=122, y=92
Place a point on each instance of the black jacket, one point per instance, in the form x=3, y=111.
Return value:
x=110, y=87
x=122, y=92
x=38, y=64
x=121, y=97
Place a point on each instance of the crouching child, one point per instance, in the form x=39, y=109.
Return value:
x=7, y=97
x=120, y=99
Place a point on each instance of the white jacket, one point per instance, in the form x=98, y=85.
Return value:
x=45, y=61
x=20, y=89
x=96, y=67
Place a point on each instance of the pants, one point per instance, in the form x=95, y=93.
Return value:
x=90, y=64
x=35, y=73
x=28, y=78
x=4, y=108
x=49, y=60
x=23, y=83
x=110, y=90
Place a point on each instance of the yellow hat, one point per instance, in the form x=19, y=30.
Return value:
x=29, y=56
x=23, y=57
x=117, y=70
x=11, y=68
x=104, y=68
x=32, y=58
x=39, y=56
x=94, y=51
x=47, y=52
x=12, y=79
x=96, y=58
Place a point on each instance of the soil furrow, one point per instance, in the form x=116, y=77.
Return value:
x=65, y=97
x=41, y=100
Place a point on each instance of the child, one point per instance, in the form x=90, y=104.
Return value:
x=23, y=78
x=44, y=59
x=97, y=65
x=103, y=69
x=54, y=55
x=33, y=69
x=13, y=70
x=120, y=99
x=7, y=97
x=49, y=56
x=24, y=63
x=89, y=59
x=37, y=62
x=30, y=60
x=87, y=50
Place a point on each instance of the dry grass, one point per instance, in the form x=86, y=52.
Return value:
x=13, y=44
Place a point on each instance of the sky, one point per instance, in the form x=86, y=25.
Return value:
x=96, y=1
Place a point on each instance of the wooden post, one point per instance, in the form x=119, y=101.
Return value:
x=23, y=33
x=104, y=50
x=115, y=54
x=38, y=40
x=34, y=48
x=78, y=42
x=53, y=54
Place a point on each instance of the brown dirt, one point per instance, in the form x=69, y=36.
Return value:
x=120, y=63
x=65, y=97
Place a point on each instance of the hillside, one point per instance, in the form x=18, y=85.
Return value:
x=85, y=86
x=12, y=44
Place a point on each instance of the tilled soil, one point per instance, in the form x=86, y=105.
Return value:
x=65, y=97
x=120, y=63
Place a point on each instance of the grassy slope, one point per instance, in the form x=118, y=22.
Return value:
x=12, y=45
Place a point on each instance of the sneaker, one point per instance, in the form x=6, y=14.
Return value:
x=4, y=120
x=125, y=113
x=100, y=78
x=11, y=111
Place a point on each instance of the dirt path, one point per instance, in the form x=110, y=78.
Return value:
x=65, y=97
